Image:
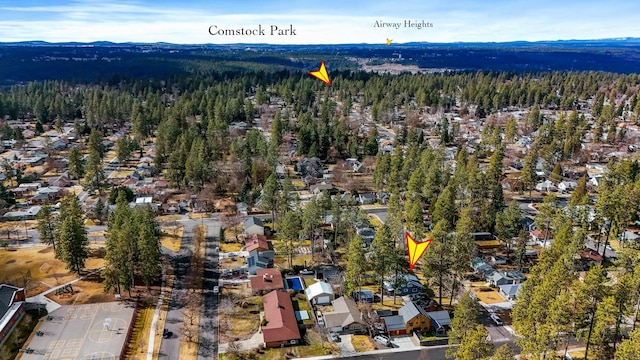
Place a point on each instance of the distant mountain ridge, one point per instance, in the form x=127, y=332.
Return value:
x=26, y=61
x=605, y=41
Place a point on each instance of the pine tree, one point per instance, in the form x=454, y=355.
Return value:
x=629, y=348
x=509, y=223
x=72, y=235
x=356, y=262
x=467, y=315
x=437, y=260
x=94, y=178
x=475, y=345
x=288, y=235
x=150, y=257
x=75, y=166
x=47, y=229
x=383, y=257
x=504, y=352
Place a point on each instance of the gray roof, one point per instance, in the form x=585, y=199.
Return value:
x=253, y=221
x=393, y=323
x=345, y=312
x=410, y=310
x=440, y=318
x=510, y=289
x=6, y=297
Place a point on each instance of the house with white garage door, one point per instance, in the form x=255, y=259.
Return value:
x=320, y=293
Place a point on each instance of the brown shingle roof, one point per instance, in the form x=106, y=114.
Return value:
x=267, y=279
x=256, y=242
x=281, y=320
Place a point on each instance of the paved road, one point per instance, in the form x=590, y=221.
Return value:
x=208, y=341
x=430, y=353
x=170, y=348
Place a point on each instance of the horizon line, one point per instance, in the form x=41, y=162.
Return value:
x=621, y=39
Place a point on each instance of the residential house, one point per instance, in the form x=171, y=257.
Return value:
x=509, y=291
x=170, y=208
x=29, y=214
x=11, y=309
x=364, y=296
x=498, y=260
x=546, y=185
x=407, y=284
x=498, y=278
x=415, y=318
x=541, y=237
x=310, y=167
x=257, y=242
x=485, y=240
x=266, y=280
x=440, y=321
x=280, y=326
x=46, y=195
x=62, y=180
x=367, y=199
x=318, y=189
x=320, y=293
x=566, y=186
x=253, y=225
x=395, y=325
x=345, y=318
x=260, y=260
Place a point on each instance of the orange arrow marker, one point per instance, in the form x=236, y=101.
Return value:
x=416, y=249
x=321, y=74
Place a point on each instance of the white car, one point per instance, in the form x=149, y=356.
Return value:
x=383, y=340
x=497, y=320
x=216, y=289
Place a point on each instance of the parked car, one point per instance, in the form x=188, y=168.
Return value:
x=497, y=320
x=335, y=337
x=306, y=272
x=383, y=340
x=167, y=334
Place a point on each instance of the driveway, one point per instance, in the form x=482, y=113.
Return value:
x=404, y=343
x=345, y=345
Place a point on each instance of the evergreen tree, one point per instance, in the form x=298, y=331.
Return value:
x=437, y=260
x=504, y=352
x=47, y=229
x=75, y=166
x=288, y=235
x=150, y=257
x=71, y=234
x=509, y=223
x=383, y=256
x=475, y=345
x=467, y=315
x=356, y=262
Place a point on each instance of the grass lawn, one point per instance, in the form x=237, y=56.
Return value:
x=388, y=304
x=309, y=281
x=300, y=304
x=239, y=322
x=39, y=264
x=234, y=247
x=316, y=347
x=362, y=343
x=374, y=220
x=171, y=237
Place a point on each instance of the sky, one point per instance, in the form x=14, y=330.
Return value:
x=316, y=22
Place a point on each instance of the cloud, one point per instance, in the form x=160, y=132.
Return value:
x=331, y=21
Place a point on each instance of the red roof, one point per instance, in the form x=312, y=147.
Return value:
x=281, y=320
x=267, y=279
x=540, y=234
x=590, y=254
x=257, y=242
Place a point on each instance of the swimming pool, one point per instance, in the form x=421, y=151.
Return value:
x=295, y=283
